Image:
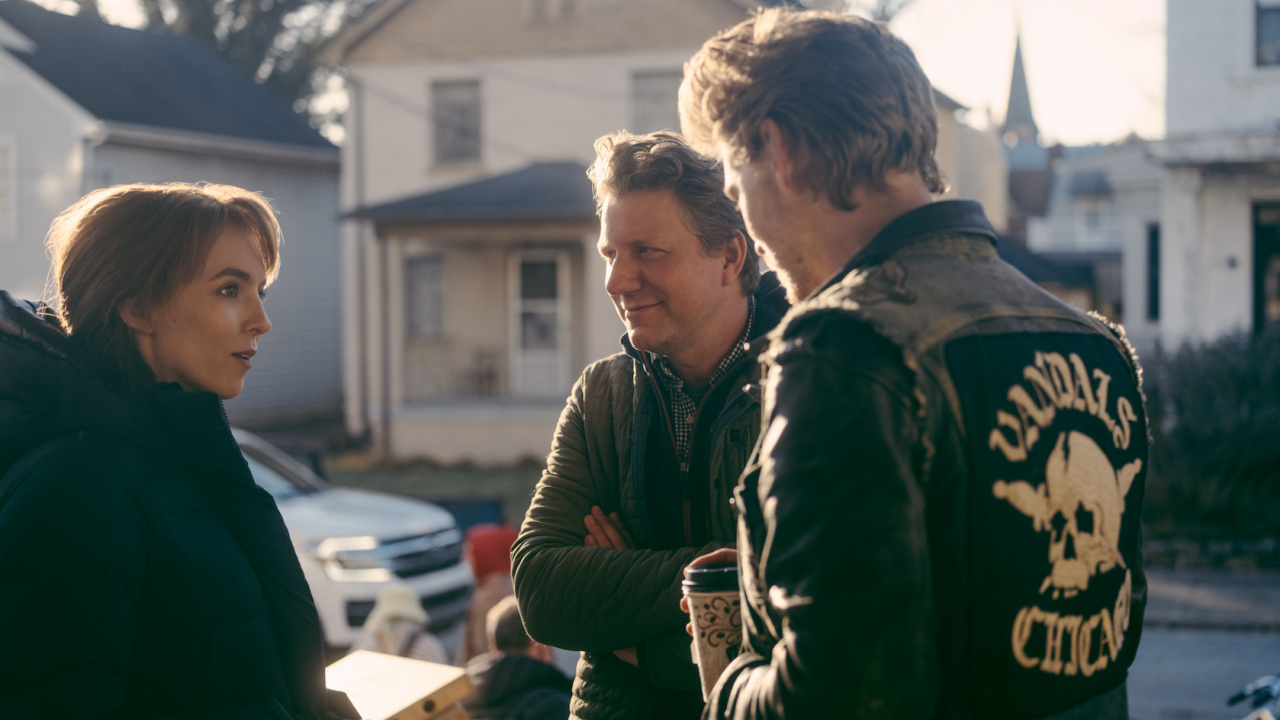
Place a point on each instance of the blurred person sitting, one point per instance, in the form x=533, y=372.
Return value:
x=488, y=552
x=397, y=626
x=516, y=679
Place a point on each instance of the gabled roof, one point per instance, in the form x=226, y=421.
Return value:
x=946, y=103
x=395, y=31
x=541, y=191
x=149, y=78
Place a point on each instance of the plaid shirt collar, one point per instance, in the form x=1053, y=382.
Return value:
x=684, y=409
x=736, y=353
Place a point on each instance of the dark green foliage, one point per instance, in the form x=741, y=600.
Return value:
x=1215, y=424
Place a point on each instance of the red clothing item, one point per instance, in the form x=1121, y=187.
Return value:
x=489, y=553
x=489, y=546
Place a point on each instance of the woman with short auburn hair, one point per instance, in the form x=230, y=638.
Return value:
x=144, y=573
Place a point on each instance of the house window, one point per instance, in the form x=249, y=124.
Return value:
x=540, y=323
x=1268, y=39
x=1153, y=272
x=538, y=294
x=424, y=285
x=8, y=188
x=654, y=101
x=456, y=110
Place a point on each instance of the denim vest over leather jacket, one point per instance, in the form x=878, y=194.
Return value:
x=942, y=516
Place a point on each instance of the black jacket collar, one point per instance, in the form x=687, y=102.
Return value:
x=945, y=217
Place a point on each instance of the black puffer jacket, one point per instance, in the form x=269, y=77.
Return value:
x=145, y=575
x=515, y=687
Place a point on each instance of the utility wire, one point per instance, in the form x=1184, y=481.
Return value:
x=588, y=92
x=433, y=117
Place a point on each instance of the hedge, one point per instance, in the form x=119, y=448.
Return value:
x=1215, y=423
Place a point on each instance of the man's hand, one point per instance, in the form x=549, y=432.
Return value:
x=606, y=531
x=723, y=556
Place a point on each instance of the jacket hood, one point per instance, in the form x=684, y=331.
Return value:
x=771, y=306
x=44, y=392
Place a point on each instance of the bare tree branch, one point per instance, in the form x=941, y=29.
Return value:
x=880, y=10
x=89, y=8
x=275, y=42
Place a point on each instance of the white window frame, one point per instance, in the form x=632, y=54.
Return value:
x=526, y=379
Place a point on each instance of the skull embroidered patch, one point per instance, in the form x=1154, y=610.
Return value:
x=1080, y=505
x=1058, y=451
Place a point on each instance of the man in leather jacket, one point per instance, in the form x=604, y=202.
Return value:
x=941, y=518
x=653, y=438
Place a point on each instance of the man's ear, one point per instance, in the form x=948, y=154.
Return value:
x=778, y=150
x=734, y=254
x=137, y=322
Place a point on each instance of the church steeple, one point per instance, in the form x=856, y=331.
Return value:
x=1019, y=122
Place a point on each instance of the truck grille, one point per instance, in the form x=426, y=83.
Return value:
x=426, y=553
x=442, y=609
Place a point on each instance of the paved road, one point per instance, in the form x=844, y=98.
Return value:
x=1213, y=599
x=1185, y=674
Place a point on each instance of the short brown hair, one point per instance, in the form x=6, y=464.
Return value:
x=504, y=628
x=133, y=246
x=848, y=95
x=627, y=163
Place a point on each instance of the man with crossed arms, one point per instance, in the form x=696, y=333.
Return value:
x=652, y=439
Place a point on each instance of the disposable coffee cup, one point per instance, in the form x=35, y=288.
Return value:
x=716, y=613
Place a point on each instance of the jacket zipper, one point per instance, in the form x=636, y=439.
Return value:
x=685, y=502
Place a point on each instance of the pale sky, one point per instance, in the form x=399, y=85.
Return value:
x=1095, y=68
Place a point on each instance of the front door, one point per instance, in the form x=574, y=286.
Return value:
x=1266, y=268
x=540, y=323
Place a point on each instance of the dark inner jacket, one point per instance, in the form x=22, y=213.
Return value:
x=670, y=485
x=613, y=449
x=145, y=574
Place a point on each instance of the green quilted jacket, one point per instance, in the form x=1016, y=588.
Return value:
x=598, y=600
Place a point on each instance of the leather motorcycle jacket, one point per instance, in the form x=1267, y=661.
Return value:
x=941, y=518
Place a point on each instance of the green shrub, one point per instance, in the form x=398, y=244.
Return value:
x=1215, y=423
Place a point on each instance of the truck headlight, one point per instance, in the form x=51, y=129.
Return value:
x=354, y=559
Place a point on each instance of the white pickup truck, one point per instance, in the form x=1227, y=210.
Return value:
x=352, y=542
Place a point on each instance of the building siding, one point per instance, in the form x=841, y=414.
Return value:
x=511, y=28
x=1213, y=84
x=46, y=131
x=532, y=109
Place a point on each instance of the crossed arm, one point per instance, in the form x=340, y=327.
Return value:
x=607, y=531
x=582, y=583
